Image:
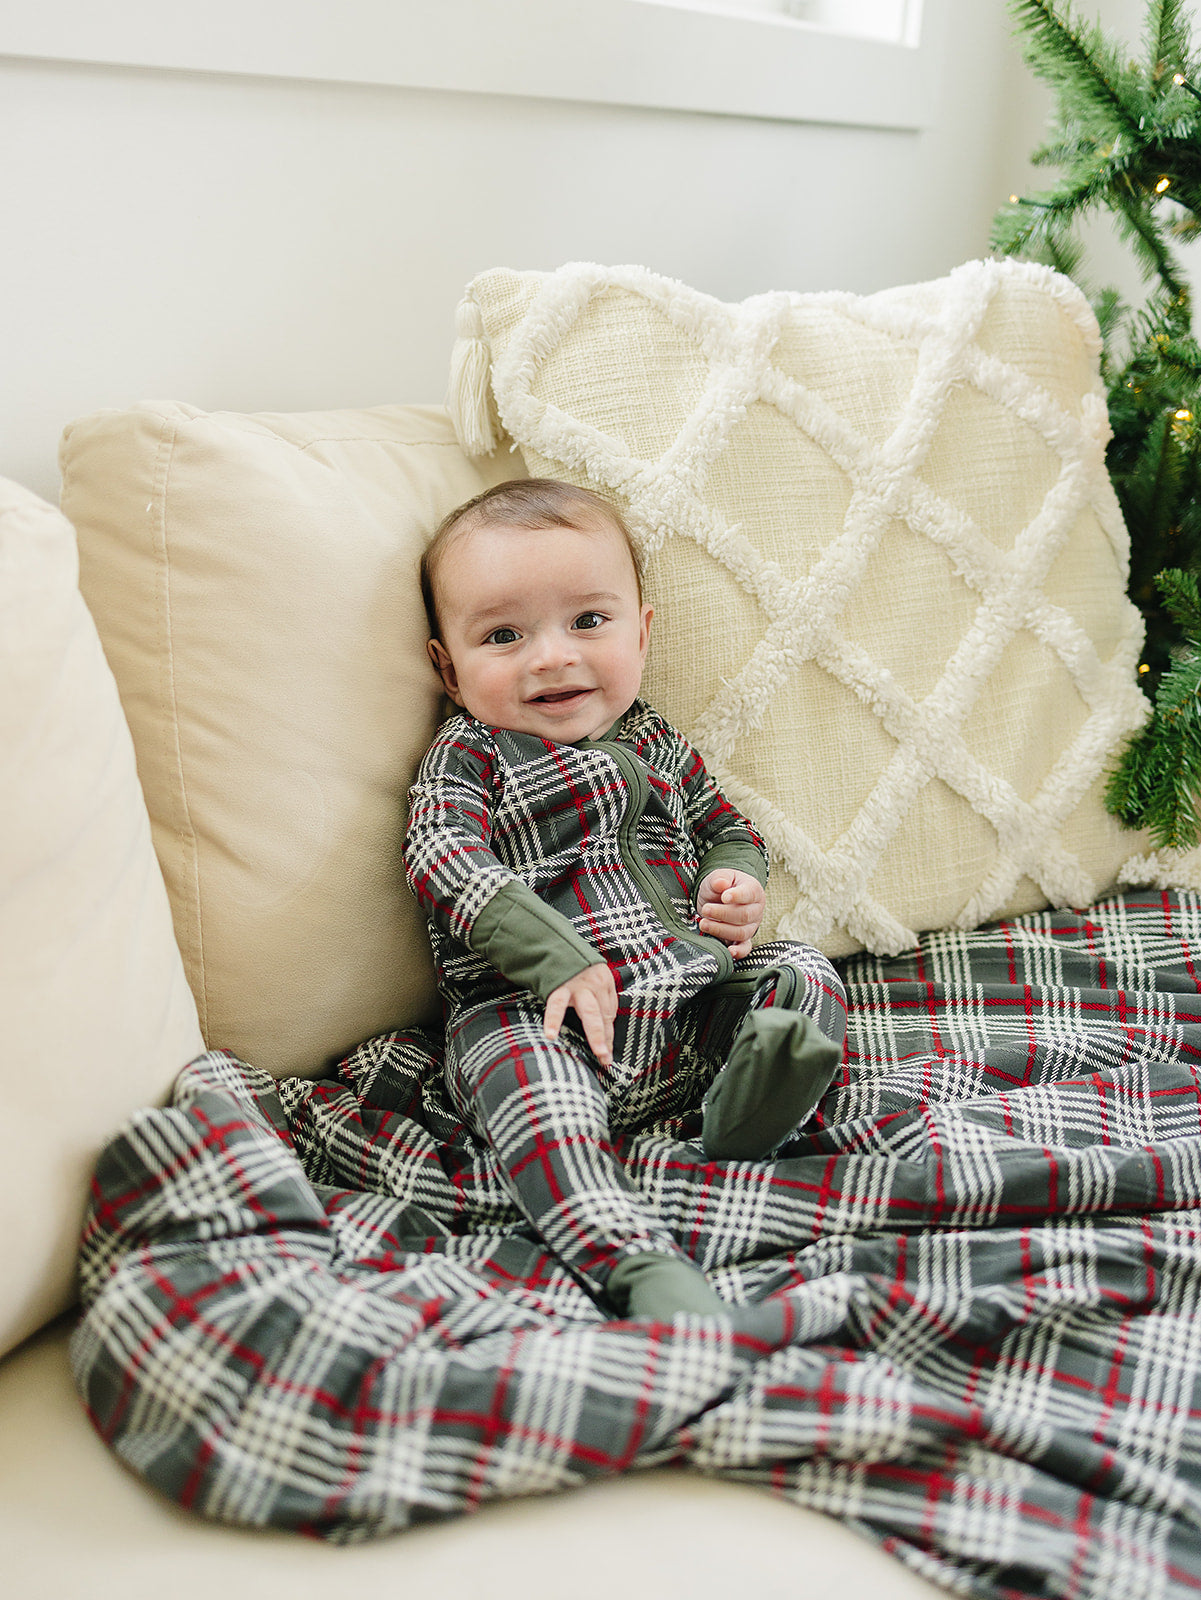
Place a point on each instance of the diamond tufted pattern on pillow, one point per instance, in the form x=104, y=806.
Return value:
x=887, y=565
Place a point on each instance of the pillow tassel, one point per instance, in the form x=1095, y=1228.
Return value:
x=470, y=400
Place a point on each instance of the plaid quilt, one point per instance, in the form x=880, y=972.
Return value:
x=966, y=1306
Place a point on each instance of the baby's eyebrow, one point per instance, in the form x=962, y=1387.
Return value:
x=503, y=608
x=487, y=613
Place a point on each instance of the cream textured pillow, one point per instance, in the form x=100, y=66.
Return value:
x=254, y=582
x=95, y=1016
x=887, y=565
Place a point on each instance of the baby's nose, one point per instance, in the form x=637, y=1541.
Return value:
x=555, y=649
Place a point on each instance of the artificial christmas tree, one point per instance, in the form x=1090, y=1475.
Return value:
x=1127, y=138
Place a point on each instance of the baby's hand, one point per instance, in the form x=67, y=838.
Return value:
x=592, y=995
x=730, y=905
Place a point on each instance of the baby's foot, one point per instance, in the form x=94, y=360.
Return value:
x=780, y=1066
x=658, y=1285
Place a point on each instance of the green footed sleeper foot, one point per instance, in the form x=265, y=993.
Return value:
x=658, y=1285
x=779, y=1067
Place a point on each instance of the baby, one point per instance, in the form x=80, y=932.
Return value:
x=593, y=897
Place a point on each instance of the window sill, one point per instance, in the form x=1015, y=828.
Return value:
x=613, y=52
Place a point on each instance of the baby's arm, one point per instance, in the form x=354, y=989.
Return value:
x=462, y=886
x=728, y=893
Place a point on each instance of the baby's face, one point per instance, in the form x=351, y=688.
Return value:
x=542, y=631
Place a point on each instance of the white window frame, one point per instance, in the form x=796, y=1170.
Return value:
x=613, y=52
x=898, y=21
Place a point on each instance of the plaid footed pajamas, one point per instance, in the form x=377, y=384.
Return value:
x=533, y=860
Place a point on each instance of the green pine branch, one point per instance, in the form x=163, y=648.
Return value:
x=1126, y=139
x=1166, y=36
x=1157, y=782
x=1113, y=316
x=1141, y=229
x=1075, y=58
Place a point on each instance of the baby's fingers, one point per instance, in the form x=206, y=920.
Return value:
x=592, y=995
x=728, y=922
x=598, y=1030
x=556, y=1010
x=732, y=912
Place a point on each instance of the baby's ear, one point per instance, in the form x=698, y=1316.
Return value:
x=445, y=668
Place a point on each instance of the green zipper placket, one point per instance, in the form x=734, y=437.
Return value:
x=627, y=838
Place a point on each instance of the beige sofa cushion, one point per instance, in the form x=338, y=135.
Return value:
x=887, y=564
x=73, y=1524
x=95, y=1016
x=254, y=582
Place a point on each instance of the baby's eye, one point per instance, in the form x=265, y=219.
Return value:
x=502, y=636
x=589, y=619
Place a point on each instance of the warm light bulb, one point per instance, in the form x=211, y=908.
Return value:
x=1178, y=78
x=1164, y=183
x=1183, y=416
x=1142, y=668
x=1013, y=199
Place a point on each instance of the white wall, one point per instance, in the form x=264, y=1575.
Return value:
x=254, y=243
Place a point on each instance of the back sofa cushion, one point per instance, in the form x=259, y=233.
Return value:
x=254, y=582
x=95, y=1015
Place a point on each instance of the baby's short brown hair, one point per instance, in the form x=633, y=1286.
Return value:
x=528, y=503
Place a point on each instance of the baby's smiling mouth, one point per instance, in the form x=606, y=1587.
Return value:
x=558, y=697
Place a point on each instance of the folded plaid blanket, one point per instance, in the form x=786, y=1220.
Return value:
x=966, y=1306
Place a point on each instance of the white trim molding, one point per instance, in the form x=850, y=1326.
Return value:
x=617, y=52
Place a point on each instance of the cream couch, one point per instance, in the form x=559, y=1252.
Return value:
x=99, y=1019
x=246, y=610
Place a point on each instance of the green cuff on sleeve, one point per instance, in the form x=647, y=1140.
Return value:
x=527, y=941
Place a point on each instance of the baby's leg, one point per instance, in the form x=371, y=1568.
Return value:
x=780, y=1026
x=541, y=1108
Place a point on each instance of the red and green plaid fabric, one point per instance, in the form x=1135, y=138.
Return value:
x=966, y=1306
x=611, y=836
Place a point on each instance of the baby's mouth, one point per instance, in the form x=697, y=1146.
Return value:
x=558, y=697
